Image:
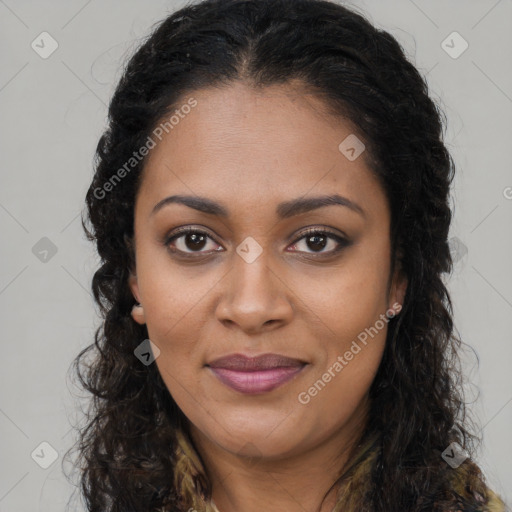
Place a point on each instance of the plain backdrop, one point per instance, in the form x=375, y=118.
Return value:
x=53, y=111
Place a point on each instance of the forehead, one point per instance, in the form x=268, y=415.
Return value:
x=268, y=144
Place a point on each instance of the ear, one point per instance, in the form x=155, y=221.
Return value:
x=397, y=291
x=137, y=310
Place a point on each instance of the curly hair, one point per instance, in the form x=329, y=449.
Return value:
x=135, y=438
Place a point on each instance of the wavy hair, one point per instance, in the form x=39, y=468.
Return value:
x=134, y=450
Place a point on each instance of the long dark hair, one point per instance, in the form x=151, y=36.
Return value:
x=127, y=448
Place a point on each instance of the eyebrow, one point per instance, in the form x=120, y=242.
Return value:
x=284, y=210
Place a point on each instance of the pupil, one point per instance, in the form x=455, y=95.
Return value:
x=314, y=240
x=196, y=239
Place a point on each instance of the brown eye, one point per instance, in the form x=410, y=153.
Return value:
x=318, y=240
x=194, y=241
x=189, y=241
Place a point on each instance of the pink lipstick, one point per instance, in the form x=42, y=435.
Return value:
x=255, y=374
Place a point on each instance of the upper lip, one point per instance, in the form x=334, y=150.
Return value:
x=242, y=362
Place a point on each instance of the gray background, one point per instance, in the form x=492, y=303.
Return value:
x=52, y=113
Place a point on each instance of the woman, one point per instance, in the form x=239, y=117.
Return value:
x=270, y=206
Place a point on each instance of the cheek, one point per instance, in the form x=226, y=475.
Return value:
x=351, y=305
x=174, y=319
x=341, y=393
x=348, y=298
x=174, y=297
x=350, y=357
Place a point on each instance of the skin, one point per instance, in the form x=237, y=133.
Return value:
x=251, y=150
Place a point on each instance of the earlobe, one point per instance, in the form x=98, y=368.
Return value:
x=137, y=310
x=138, y=314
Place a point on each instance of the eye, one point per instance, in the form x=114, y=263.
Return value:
x=189, y=241
x=319, y=239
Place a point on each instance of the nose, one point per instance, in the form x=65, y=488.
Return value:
x=256, y=297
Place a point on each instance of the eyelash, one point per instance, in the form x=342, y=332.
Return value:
x=343, y=242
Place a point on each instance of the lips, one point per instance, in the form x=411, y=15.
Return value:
x=239, y=362
x=254, y=375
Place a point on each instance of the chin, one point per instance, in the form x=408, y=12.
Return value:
x=256, y=442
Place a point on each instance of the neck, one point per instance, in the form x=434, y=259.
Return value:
x=295, y=483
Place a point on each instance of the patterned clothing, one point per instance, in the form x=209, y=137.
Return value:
x=468, y=493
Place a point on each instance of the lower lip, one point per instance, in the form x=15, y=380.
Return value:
x=256, y=382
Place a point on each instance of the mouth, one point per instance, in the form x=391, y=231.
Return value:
x=252, y=375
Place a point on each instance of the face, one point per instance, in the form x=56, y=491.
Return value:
x=265, y=269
